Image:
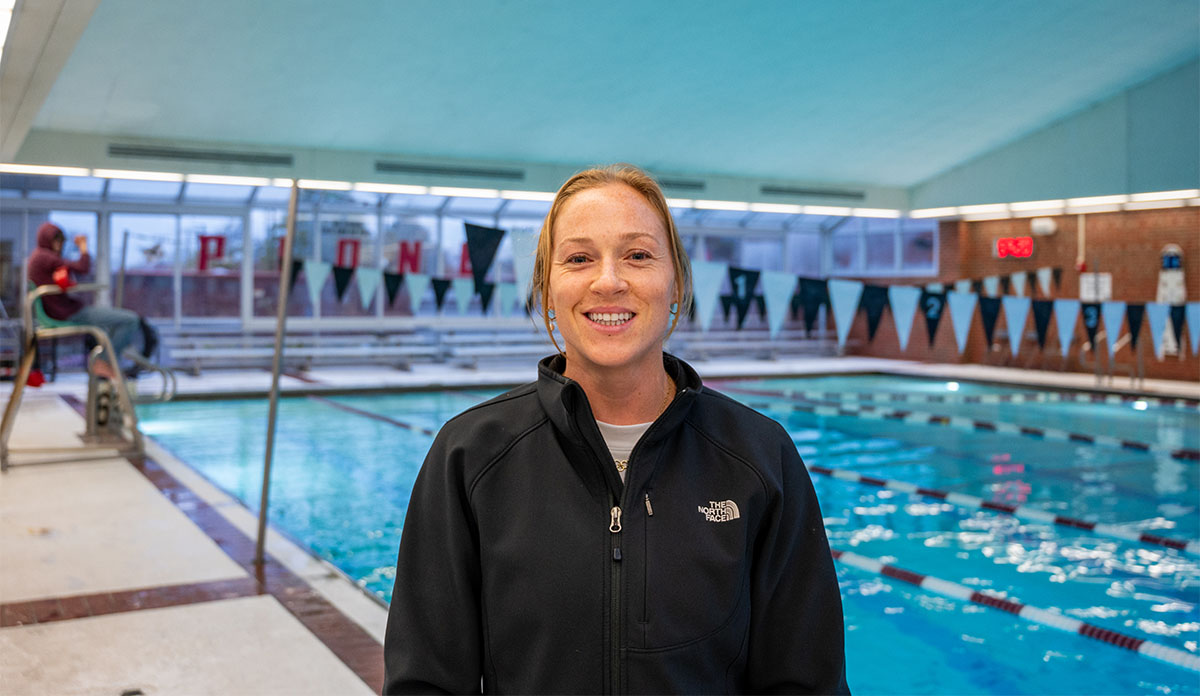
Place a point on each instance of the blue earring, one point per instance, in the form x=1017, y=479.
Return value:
x=550, y=314
x=674, y=309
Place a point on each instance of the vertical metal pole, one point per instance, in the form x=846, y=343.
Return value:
x=177, y=275
x=285, y=281
x=121, y=274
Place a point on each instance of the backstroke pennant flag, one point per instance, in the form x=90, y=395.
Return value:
x=1005, y=285
x=962, y=286
x=726, y=306
x=482, y=243
x=989, y=311
x=1113, y=314
x=416, y=284
x=706, y=279
x=440, y=286
x=297, y=267
x=506, y=296
x=904, y=307
x=367, y=280
x=962, y=309
x=991, y=286
x=316, y=273
x=1156, y=316
x=391, y=283
x=814, y=292
x=874, y=299
x=524, y=249
x=933, y=306
x=1066, y=313
x=1016, y=313
x=464, y=290
x=743, y=282
x=1177, y=312
x=341, y=280
x=1091, y=320
x=1018, y=283
x=1043, y=277
x=1133, y=316
x=486, y=290
x=844, y=296
x=1042, y=309
x=777, y=293
x=1193, y=324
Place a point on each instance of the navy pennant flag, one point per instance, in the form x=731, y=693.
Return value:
x=797, y=303
x=1091, y=320
x=933, y=306
x=1042, y=309
x=341, y=280
x=1133, y=317
x=977, y=287
x=1005, y=285
x=989, y=311
x=1178, y=316
x=297, y=267
x=482, y=243
x=726, y=306
x=486, y=291
x=391, y=284
x=1056, y=274
x=440, y=286
x=813, y=293
x=743, y=282
x=874, y=298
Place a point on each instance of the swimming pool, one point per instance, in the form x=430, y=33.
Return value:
x=344, y=466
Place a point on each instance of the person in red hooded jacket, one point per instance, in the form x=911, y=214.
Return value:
x=121, y=325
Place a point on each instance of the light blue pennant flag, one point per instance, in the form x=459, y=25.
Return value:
x=1193, y=324
x=1156, y=316
x=991, y=286
x=1018, y=283
x=962, y=286
x=464, y=290
x=935, y=287
x=1066, y=315
x=524, y=250
x=962, y=310
x=506, y=294
x=1016, y=313
x=1113, y=314
x=315, y=274
x=1044, y=275
x=903, y=300
x=707, y=277
x=417, y=284
x=368, y=280
x=844, y=296
x=778, y=288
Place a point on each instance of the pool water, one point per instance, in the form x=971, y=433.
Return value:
x=344, y=467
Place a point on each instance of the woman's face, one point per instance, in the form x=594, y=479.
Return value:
x=611, y=280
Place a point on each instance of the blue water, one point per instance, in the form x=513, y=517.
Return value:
x=341, y=483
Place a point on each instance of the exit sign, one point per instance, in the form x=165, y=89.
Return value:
x=1018, y=247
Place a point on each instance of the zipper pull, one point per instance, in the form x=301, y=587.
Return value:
x=649, y=509
x=615, y=526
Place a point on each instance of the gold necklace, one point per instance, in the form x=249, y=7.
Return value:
x=623, y=464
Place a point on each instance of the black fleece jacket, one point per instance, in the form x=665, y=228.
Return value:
x=526, y=566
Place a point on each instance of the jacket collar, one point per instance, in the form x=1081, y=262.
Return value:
x=566, y=404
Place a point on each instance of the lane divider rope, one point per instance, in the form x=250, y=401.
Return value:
x=803, y=405
x=1021, y=511
x=954, y=590
x=368, y=414
x=1011, y=398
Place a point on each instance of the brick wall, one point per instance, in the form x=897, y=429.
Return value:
x=1126, y=244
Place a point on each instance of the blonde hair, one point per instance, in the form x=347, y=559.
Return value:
x=645, y=185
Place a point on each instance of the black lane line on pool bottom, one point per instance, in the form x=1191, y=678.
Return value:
x=375, y=416
x=804, y=405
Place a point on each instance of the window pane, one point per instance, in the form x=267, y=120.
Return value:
x=149, y=262
x=762, y=254
x=268, y=226
x=212, y=262
x=408, y=247
x=805, y=251
x=881, y=251
x=916, y=247
x=347, y=241
x=845, y=250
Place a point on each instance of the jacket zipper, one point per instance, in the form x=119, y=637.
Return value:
x=614, y=527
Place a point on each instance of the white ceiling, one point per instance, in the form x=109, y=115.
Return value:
x=876, y=92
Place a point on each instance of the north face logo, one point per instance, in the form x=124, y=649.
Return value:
x=720, y=511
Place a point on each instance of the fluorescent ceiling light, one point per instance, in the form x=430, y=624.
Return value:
x=527, y=196
x=679, y=203
x=783, y=208
x=1104, y=208
x=455, y=192
x=876, y=212
x=933, y=212
x=1150, y=205
x=136, y=176
x=323, y=185
x=282, y=183
x=988, y=209
x=1095, y=200
x=826, y=210
x=1037, y=205
x=42, y=170
x=721, y=205
x=220, y=180
x=405, y=189
x=1164, y=195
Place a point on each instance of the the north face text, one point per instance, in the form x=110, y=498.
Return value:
x=720, y=511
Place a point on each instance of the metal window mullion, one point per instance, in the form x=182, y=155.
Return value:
x=103, y=260
x=246, y=300
x=177, y=284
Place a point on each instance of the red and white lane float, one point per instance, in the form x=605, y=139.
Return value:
x=1009, y=398
x=867, y=411
x=1022, y=511
x=954, y=590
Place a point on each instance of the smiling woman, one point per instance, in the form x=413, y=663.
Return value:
x=711, y=572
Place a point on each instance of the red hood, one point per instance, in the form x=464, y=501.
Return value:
x=46, y=234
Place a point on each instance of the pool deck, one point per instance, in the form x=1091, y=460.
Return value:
x=128, y=576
